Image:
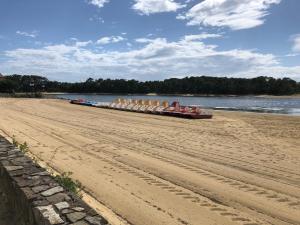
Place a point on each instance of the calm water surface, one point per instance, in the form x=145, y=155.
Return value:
x=247, y=103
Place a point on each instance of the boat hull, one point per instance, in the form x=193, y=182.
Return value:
x=188, y=115
x=143, y=109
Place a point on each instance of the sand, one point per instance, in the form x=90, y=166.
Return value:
x=238, y=168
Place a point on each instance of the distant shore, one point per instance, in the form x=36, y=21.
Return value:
x=278, y=96
x=181, y=95
x=22, y=95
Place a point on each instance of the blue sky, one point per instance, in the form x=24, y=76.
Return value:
x=71, y=40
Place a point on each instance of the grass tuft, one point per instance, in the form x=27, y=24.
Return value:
x=15, y=142
x=68, y=183
x=23, y=147
x=64, y=179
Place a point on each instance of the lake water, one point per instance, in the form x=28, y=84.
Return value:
x=246, y=103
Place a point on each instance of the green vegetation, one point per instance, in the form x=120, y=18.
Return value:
x=202, y=85
x=23, y=147
x=67, y=182
x=64, y=179
x=15, y=142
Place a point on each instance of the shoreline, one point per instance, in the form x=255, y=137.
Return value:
x=256, y=109
x=297, y=96
x=259, y=110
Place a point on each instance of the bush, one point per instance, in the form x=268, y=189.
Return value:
x=67, y=182
x=15, y=142
x=23, y=147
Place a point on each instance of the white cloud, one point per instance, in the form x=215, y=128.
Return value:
x=296, y=43
x=292, y=55
x=200, y=37
x=181, y=16
x=96, y=18
x=32, y=34
x=112, y=39
x=157, y=59
x=83, y=43
x=187, y=38
x=74, y=41
x=147, y=7
x=144, y=40
x=98, y=3
x=235, y=14
x=274, y=71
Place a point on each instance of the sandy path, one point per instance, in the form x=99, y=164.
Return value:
x=239, y=168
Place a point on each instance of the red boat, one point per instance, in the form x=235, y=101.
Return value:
x=186, y=112
x=77, y=101
x=190, y=112
x=81, y=102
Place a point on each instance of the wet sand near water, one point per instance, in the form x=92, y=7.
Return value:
x=238, y=168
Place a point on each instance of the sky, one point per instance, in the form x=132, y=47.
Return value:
x=72, y=40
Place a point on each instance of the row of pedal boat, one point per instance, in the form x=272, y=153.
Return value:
x=150, y=106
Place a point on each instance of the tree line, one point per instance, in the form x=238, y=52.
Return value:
x=202, y=85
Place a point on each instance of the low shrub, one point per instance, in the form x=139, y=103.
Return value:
x=68, y=183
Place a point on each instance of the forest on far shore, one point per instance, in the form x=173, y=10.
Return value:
x=202, y=85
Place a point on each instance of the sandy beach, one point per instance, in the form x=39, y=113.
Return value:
x=238, y=168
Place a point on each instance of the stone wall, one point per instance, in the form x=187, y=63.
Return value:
x=34, y=197
x=6, y=216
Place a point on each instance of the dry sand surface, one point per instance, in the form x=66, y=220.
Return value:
x=238, y=168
